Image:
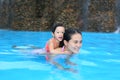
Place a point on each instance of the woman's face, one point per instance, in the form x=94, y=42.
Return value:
x=74, y=44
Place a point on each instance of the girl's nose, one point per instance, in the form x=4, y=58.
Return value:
x=61, y=34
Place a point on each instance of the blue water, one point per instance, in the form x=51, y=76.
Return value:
x=98, y=59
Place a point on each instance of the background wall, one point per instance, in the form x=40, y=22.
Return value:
x=40, y=15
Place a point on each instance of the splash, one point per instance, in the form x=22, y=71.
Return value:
x=118, y=30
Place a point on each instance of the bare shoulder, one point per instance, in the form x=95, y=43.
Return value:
x=50, y=41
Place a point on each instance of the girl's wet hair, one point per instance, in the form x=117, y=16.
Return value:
x=55, y=26
x=69, y=32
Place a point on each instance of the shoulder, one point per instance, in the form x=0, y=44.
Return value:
x=51, y=40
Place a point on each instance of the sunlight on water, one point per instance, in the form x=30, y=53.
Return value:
x=23, y=64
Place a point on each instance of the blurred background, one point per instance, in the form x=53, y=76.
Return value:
x=40, y=15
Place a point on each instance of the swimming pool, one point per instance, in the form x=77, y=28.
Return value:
x=99, y=57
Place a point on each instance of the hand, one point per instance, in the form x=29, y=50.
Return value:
x=71, y=63
x=71, y=70
x=67, y=52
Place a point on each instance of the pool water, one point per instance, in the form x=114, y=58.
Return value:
x=98, y=59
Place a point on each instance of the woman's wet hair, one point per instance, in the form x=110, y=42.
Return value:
x=55, y=26
x=69, y=32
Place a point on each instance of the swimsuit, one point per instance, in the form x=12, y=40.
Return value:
x=47, y=45
x=48, y=49
x=47, y=56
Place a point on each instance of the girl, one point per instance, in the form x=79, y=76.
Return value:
x=56, y=41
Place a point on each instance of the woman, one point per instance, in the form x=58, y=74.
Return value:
x=72, y=44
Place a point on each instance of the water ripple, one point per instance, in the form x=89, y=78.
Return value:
x=23, y=64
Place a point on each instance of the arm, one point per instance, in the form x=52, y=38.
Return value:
x=56, y=49
x=61, y=67
x=68, y=59
x=59, y=51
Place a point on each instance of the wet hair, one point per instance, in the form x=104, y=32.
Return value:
x=55, y=26
x=69, y=32
x=53, y=30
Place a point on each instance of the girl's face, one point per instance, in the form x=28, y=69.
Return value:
x=59, y=33
x=74, y=44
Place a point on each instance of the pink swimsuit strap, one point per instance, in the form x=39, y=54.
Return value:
x=63, y=48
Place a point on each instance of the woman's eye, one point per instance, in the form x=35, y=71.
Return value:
x=81, y=41
x=75, y=42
